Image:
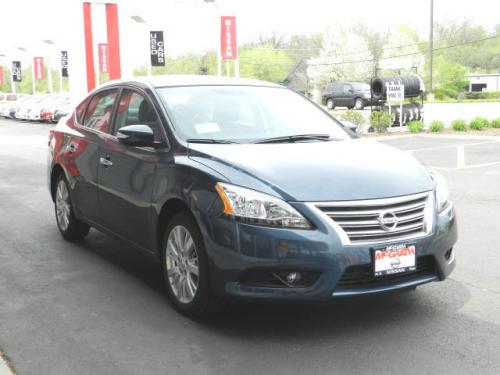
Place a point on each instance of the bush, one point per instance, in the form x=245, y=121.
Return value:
x=437, y=126
x=380, y=120
x=459, y=125
x=355, y=117
x=415, y=126
x=478, y=123
x=482, y=95
x=495, y=123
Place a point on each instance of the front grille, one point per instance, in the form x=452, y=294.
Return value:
x=361, y=277
x=363, y=221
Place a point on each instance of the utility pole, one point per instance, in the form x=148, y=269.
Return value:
x=431, y=40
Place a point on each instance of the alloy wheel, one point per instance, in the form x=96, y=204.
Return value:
x=182, y=264
x=62, y=205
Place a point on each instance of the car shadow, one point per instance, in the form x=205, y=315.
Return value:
x=283, y=321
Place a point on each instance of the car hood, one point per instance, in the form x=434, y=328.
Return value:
x=317, y=171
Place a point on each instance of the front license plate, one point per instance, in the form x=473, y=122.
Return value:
x=394, y=259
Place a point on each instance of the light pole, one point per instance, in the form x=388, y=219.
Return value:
x=219, y=59
x=141, y=21
x=431, y=42
x=49, y=70
x=32, y=70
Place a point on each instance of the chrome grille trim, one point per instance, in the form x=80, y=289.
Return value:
x=357, y=222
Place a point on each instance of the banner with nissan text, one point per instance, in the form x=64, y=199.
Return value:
x=39, y=71
x=103, y=57
x=229, y=47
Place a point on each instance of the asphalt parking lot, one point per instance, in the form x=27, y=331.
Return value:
x=98, y=307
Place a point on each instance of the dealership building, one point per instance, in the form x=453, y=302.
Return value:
x=484, y=82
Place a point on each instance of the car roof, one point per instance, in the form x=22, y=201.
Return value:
x=191, y=80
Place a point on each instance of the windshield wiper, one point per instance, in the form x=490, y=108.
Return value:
x=295, y=138
x=210, y=140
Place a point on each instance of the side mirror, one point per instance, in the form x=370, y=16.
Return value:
x=136, y=135
x=349, y=125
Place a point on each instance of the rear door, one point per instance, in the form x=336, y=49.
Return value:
x=126, y=173
x=91, y=123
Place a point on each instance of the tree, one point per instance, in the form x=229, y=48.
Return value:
x=449, y=78
x=265, y=63
x=344, y=56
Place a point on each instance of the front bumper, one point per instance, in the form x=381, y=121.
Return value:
x=236, y=248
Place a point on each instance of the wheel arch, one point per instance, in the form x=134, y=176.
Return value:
x=169, y=209
x=56, y=171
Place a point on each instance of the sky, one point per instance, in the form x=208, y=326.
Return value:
x=192, y=26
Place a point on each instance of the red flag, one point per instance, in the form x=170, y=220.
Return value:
x=1, y=75
x=103, y=57
x=229, y=47
x=39, y=72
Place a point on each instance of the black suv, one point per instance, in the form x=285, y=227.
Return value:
x=347, y=94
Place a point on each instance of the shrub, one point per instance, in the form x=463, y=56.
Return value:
x=478, y=123
x=380, y=120
x=355, y=117
x=415, y=126
x=482, y=95
x=437, y=126
x=459, y=125
x=495, y=123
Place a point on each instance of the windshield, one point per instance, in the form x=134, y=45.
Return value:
x=245, y=113
x=361, y=86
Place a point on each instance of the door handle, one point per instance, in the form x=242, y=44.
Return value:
x=106, y=162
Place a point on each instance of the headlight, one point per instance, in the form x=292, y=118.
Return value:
x=258, y=208
x=442, y=194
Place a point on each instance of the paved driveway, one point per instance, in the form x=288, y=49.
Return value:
x=98, y=307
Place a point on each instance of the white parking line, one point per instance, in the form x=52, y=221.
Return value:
x=453, y=146
x=460, y=156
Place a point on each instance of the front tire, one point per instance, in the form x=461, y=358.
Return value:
x=185, y=268
x=70, y=228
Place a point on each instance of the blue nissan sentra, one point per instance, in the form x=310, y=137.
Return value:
x=244, y=188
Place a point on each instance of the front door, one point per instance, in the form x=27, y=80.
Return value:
x=126, y=173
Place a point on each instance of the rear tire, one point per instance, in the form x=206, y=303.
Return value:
x=70, y=228
x=358, y=104
x=185, y=268
x=330, y=104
